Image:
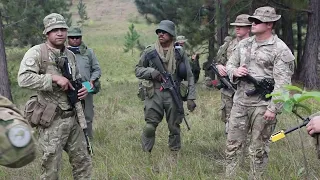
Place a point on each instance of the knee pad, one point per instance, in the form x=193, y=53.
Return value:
x=150, y=130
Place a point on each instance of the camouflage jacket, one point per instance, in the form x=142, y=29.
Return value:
x=29, y=75
x=269, y=59
x=145, y=67
x=223, y=56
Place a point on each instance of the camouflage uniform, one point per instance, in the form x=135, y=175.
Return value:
x=269, y=59
x=159, y=101
x=64, y=132
x=223, y=55
x=17, y=146
x=89, y=70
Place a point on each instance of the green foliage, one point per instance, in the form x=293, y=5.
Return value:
x=82, y=12
x=291, y=102
x=132, y=39
x=23, y=22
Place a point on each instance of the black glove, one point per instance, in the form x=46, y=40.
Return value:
x=156, y=75
x=191, y=105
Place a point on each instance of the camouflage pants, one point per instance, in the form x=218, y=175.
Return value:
x=226, y=105
x=242, y=120
x=154, y=110
x=64, y=134
x=89, y=113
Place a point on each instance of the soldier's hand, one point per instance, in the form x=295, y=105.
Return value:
x=269, y=116
x=82, y=93
x=156, y=75
x=191, y=105
x=91, y=85
x=63, y=82
x=313, y=126
x=241, y=71
x=222, y=70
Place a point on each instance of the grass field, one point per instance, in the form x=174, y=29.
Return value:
x=119, y=117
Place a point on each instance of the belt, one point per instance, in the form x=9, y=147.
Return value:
x=64, y=113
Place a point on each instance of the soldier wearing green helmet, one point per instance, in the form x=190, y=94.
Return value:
x=50, y=111
x=158, y=102
x=89, y=70
x=17, y=147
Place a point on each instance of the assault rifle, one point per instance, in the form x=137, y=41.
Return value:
x=282, y=133
x=74, y=100
x=263, y=87
x=169, y=84
x=225, y=81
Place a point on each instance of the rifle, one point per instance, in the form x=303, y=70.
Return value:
x=168, y=83
x=282, y=134
x=263, y=87
x=225, y=81
x=74, y=101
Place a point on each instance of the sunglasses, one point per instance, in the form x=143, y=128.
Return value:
x=256, y=21
x=161, y=31
x=74, y=37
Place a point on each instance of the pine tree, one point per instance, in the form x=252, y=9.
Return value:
x=82, y=12
x=132, y=39
x=23, y=22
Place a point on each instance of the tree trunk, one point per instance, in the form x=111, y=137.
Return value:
x=222, y=28
x=309, y=74
x=4, y=78
x=299, y=47
x=287, y=32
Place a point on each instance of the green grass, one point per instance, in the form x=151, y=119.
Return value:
x=119, y=122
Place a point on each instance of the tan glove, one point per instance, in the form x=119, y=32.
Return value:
x=191, y=105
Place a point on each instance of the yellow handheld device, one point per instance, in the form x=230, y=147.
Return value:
x=277, y=136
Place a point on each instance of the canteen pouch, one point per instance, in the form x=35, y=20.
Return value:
x=183, y=89
x=48, y=115
x=146, y=90
x=33, y=111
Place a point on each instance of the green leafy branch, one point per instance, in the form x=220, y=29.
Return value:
x=291, y=102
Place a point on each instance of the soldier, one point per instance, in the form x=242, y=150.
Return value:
x=194, y=61
x=89, y=70
x=242, y=30
x=262, y=56
x=17, y=146
x=158, y=101
x=54, y=116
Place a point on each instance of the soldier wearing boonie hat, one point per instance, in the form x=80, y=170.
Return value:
x=242, y=29
x=54, y=21
x=51, y=112
x=263, y=56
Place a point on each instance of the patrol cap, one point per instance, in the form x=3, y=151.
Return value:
x=167, y=26
x=241, y=20
x=54, y=21
x=265, y=14
x=181, y=39
x=74, y=31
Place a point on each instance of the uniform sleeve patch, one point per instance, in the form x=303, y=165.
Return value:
x=30, y=62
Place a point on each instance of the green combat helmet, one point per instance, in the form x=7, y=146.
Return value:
x=17, y=146
x=54, y=21
x=167, y=26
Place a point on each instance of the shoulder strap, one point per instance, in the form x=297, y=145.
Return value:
x=44, y=57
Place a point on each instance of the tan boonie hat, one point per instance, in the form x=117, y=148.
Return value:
x=74, y=31
x=265, y=14
x=181, y=39
x=54, y=21
x=242, y=20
